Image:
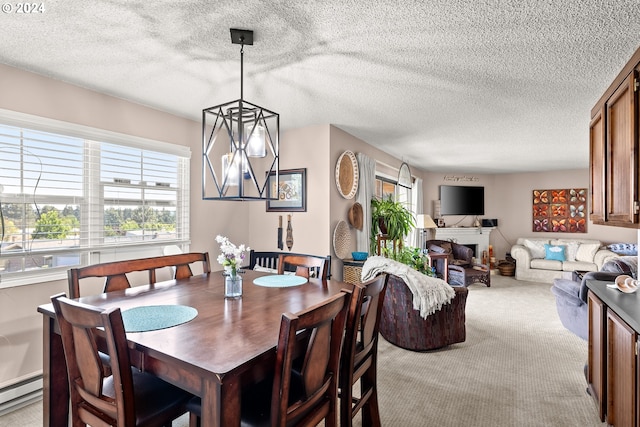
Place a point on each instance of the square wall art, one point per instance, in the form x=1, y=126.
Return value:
x=560, y=211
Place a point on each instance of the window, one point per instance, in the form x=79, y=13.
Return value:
x=69, y=194
x=388, y=187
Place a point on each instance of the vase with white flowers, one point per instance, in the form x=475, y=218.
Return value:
x=231, y=259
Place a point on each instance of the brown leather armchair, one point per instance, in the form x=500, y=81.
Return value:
x=403, y=326
x=461, y=271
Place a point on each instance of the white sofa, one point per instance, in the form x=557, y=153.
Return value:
x=536, y=263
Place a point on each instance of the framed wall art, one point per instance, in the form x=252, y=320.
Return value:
x=560, y=211
x=291, y=189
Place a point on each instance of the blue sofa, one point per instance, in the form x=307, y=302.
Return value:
x=571, y=296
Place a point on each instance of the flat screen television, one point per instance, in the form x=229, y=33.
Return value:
x=461, y=200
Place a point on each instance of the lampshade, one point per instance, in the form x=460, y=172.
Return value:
x=246, y=137
x=425, y=221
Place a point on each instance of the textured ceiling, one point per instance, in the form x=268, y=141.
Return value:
x=447, y=85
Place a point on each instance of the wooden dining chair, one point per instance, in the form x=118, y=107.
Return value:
x=306, y=265
x=115, y=273
x=127, y=397
x=360, y=353
x=303, y=390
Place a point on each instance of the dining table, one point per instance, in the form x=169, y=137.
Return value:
x=229, y=343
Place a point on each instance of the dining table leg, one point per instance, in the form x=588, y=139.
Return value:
x=215, y=414
x=55, y=393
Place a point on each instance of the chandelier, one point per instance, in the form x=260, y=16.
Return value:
x=240, y=144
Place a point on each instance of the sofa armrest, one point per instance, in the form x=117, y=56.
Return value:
x=602, y=256
x=522, y=255
x=594, y=275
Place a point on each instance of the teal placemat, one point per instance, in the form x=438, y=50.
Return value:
x=279, y=280
x=153, y=317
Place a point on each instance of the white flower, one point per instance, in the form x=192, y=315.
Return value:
x=231, y=255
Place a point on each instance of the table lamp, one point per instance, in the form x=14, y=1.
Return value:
x=425, y=224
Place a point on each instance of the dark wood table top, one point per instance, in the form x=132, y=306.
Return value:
x=226, y=335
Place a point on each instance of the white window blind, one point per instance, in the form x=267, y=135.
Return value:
x=68, y=196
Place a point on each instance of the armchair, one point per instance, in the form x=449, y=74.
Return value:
x=571, y=296
x=461, y=270
x=403, y=326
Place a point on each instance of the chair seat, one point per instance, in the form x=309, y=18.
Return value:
x=155, y=399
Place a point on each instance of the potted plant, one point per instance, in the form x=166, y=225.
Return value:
x=390, y=218
x=413, y=257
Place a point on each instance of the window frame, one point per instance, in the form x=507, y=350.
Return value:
x=92, y=251
x=398, y=189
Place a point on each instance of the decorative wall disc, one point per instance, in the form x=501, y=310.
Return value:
x=342, y=240
x=355, y=216
x=347, y=174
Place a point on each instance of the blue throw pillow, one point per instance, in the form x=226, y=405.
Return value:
x=554, y=252
x=624, y=248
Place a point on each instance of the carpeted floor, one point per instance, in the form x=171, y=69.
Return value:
x=518, y=367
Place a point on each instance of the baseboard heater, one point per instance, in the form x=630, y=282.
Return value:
x=20, y=394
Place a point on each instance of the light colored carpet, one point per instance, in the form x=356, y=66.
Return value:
x=518, y=367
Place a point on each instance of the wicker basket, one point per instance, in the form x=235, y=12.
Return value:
x=351, y=273
x=506, y=268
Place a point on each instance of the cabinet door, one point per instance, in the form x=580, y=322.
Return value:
x=621, y=372
x=597, y=153
x=621, y=163
x=596, y=368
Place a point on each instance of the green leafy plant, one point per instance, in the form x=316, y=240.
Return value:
x=413, y=257
x=391, y=218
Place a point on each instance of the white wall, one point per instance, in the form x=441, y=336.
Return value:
x=300, y=148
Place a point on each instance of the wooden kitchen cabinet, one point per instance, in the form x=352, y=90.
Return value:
x=596, y=364
x=613, y=361
x=621, y=372
x=613, y=162
x=597, y=156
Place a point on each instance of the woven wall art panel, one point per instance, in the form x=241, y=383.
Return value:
x=560, y=211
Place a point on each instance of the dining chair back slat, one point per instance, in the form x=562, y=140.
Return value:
x=270, y=260
x=115, y=273
x=126, y=397
x=305, y=265
x=360, y=353
x=316, y=399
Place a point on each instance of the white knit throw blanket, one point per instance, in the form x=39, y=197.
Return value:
x=429, y=293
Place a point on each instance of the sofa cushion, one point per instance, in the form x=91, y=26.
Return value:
x=555, y=252
x=436, y=249
x=546, y=264
x=536, y=247
x=572, y=250
x=448, y=249
x=579, y=266
x=586, y=251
